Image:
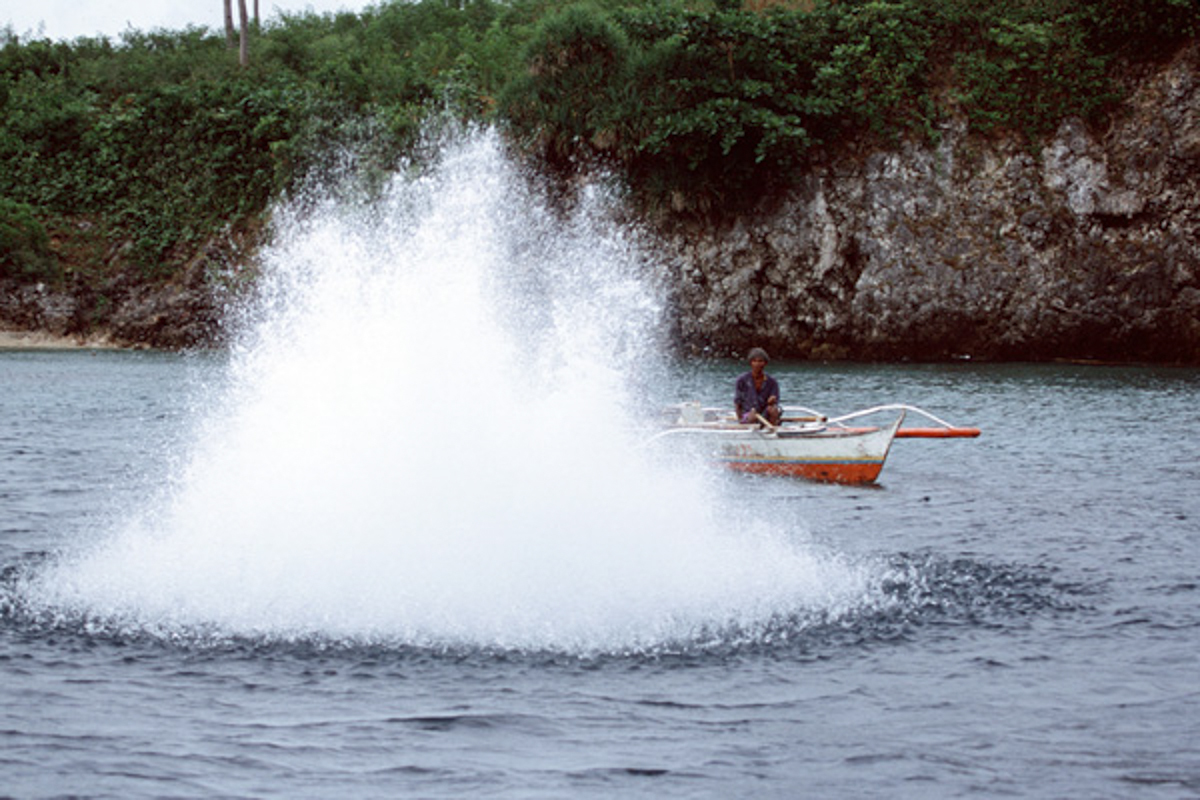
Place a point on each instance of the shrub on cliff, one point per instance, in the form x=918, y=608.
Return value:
x=1139, y=29
x=722, y=107
x=1027, y=76
x=25, y=252
x=877, y=72
x=696, y=110
x=566, y=103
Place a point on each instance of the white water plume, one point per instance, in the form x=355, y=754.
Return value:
x=425, y=438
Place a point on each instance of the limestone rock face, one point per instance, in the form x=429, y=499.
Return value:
x=125, y=310
x=1089, y=248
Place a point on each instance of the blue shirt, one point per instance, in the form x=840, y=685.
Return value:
x=747, y=398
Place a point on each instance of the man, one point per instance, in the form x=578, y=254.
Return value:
x=757, y=393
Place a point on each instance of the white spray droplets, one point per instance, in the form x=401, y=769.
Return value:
x=424, y=440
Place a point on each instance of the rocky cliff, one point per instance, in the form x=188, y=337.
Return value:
x=1085, y=248
x=125, y=309
x=1088, y=248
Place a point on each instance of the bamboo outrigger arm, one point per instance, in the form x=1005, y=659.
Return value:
x=941, y=429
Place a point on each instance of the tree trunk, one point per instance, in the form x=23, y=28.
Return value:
x=229, y=24
x=244, y=48
x=257, y=19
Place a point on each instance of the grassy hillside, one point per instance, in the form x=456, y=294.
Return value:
x=137, y=153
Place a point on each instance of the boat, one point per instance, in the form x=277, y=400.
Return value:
x=806, y=444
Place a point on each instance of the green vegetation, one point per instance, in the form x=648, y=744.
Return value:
x=24, y=244
x=157, y=142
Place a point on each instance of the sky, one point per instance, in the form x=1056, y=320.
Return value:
x=69, y=19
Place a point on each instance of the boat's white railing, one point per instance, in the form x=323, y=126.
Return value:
x=715, y=417
x=694, y=419
x=866, y=412
x=791, y=411
x=710, y=428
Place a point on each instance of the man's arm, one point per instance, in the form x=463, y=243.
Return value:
x=741, y=404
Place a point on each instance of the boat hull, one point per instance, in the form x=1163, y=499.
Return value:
x=833, y=455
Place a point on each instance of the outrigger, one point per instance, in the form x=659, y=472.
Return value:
x=806, y=443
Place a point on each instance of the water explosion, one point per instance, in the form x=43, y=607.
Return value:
x=424, y=438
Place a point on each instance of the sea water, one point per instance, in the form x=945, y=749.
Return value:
x=406, y=538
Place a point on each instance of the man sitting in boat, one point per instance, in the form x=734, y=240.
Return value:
x=757, y=393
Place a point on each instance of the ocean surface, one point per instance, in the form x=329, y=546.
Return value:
x=1015, y=615
x=408, y=537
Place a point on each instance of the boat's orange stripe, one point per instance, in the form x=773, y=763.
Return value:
x=832, y=471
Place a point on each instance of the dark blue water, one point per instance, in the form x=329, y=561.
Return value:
x=1017, y=615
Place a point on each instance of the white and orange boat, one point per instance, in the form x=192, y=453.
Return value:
x=806, y=444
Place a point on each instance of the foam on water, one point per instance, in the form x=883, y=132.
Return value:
x=424, y=438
